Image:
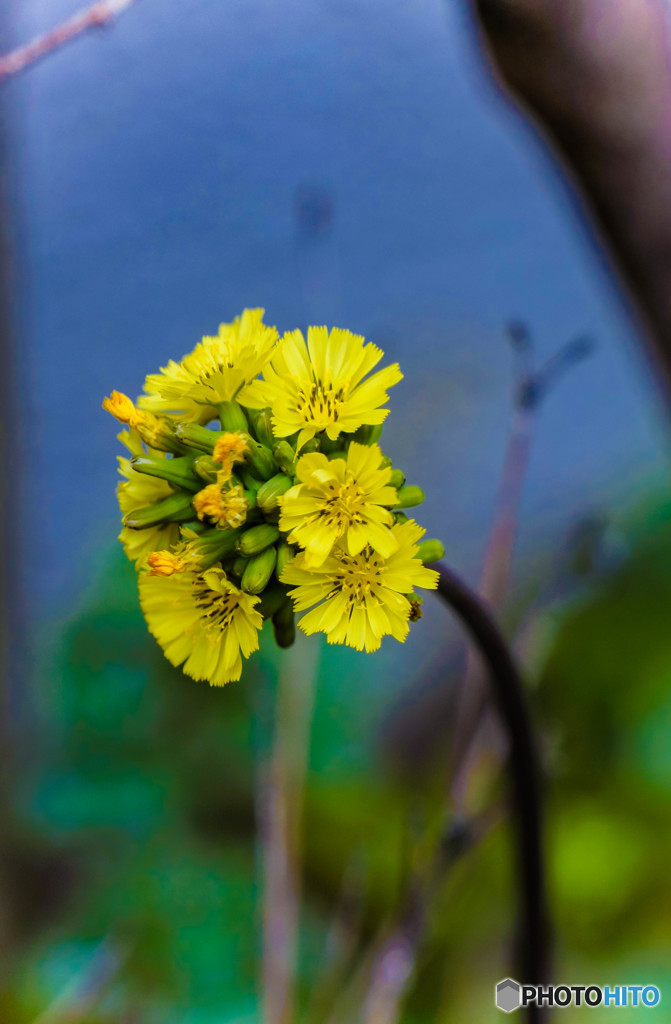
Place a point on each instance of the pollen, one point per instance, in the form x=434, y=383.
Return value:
x=225, y=506
x=164, y=563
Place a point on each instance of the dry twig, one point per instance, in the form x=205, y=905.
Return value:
x=98, y=15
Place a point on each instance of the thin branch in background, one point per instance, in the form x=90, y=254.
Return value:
x=342, y=940
x=396, y=958
x=98, y=15
x=531, y=386
x=280, y=806
x=75, y=1004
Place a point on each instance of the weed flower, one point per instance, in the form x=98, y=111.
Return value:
x=255, y=488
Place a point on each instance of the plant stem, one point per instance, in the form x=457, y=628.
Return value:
x=508, y=691
x=280, y=805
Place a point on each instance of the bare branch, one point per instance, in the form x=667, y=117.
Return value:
x=78, y=999
x=98, y=15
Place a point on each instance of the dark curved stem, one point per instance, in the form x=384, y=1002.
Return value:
x=533, y=939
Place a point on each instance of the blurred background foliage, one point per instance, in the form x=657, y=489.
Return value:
x=137, y=813
x=349, y=163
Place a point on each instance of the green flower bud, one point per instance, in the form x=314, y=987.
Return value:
x=253, y=541
x=397, y=478
x=271, y=599
x=195, y=436
x=310, y=446
x=285, y=552
x=386, y=463
x=284, y=625
x=263, y=428
x=326, y=445
x=339, y=453
x=260, y=459
x=211, y=547
x=431, y=551
x=206, y=468
x=239, y=565
x=250, y=482
x=400, y=517
x=193, y=526
x=258, y=571
x=232, y=416
x=285, y=456
x=175, y=471
x=410, y=496
x=159, y=433
x=269, y=494
x=176, y=508
x=367, y=433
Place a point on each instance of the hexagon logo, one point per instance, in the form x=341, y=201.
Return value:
x=508, y=995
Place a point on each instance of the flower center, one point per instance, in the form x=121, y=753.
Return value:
x=217, y=609
x=358, y=575
x=318, y=404
x=342, y=505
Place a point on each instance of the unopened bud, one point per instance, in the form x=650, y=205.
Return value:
x=271, y=599
x=175, y=471
x=431, y=551
x=410, y=496
x=258, y=571
x=263, y=428
x=285, y=456
x=284, y=625
x=368, y=433
x=239, y=565
x=253, y=541
x=260, y=459
x=269, y=494
x=176, y=508
x=193, y=435
x=206, y=468
x=285, y=552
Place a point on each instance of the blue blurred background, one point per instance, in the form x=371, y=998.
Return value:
x=348, y=163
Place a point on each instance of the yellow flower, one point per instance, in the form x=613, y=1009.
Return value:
x=214, y=372
x=361, y=598
x=229, y=449
x=137, y=491
x=203, y=621
x=165, y=563
x=227, y=506
x=155, y=432
x=321, y=386
x=122, y=408
x=340, y=500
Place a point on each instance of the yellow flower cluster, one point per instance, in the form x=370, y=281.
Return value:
x=256, y=488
